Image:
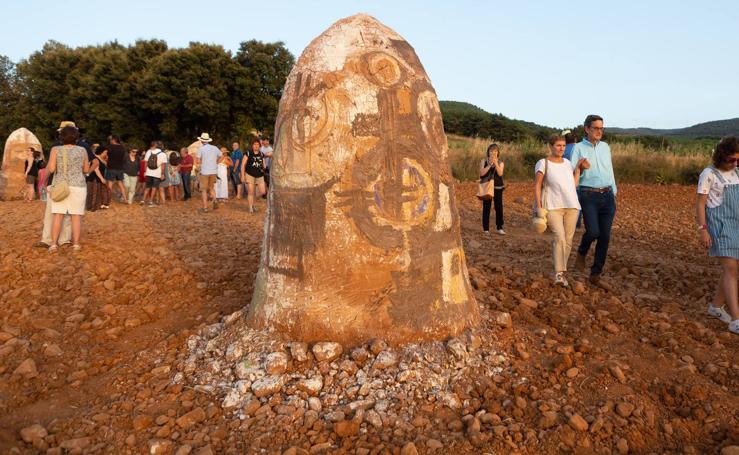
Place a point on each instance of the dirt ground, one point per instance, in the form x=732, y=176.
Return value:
x=90, y=341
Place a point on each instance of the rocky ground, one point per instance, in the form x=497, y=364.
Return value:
x=137, y=345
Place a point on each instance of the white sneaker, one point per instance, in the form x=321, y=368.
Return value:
x=734, y=326
x=486, y=232
x=719, y=312
x=501, y=232
x=560, y=279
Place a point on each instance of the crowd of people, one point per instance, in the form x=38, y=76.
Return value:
x=577, y=180
x=93, y=175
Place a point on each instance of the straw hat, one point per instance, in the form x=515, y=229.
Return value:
x=539, y=225
x=205, y=137
x=66, y=123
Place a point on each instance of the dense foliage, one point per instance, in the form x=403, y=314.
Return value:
x=145, y=91
x=465, y=119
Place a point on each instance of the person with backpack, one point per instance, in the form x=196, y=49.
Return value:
x=155, y=160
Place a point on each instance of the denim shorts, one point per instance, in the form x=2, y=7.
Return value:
x=113, y=174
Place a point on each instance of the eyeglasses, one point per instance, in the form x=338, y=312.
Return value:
x=732, y=160
x=597, y=128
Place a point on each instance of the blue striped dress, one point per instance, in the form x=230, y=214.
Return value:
x=723, y=221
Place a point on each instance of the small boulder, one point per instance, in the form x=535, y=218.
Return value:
x=326, y=351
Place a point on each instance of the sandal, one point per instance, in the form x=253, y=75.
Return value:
x=53, y=249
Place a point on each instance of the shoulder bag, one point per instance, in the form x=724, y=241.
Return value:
x=60, y=190
x=486, y=187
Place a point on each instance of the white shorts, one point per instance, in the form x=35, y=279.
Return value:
x=74, y=204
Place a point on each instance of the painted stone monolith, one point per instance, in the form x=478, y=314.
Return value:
x=362, y=232
x=12, y=173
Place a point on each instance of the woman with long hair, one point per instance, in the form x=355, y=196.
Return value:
x=491, y=168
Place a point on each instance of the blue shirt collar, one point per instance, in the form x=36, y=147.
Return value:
x=585, y=140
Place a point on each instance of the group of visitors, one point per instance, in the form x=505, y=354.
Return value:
x=577, y=178
x=92, y=175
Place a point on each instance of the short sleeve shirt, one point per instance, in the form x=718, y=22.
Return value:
x=710, y=184
x=208, y=155
x=161, y=159
x=560, y=185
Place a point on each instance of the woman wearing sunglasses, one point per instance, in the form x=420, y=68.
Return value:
x=717, y=213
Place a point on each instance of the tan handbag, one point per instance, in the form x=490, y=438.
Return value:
x=486, y=190
x=60, y=190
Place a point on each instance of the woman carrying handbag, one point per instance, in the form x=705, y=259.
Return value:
x=555, y=196
x=68, y=193
x=491, y=189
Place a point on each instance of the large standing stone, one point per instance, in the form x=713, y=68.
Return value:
x=362, y=232
x=12, y=174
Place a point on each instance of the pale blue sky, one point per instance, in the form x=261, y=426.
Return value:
x=662, y=64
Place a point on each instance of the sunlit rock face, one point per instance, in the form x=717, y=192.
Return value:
x=12, y=173
x=362, y=232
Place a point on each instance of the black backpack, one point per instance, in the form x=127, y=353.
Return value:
x=151, y=163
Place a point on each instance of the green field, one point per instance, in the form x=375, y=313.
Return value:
x=633, y=162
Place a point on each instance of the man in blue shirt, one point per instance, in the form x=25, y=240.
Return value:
x=597, y=195
x=236, y=157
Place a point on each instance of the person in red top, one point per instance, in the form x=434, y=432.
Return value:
x=185, y=171
x=142, y=175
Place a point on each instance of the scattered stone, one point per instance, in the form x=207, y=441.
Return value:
x=27, y=369
x=617, y=373
x=456, y=347
x=625, y=409
x=311, y=386
x=33, y=433
x=572, y=372
x=142, y=422
x=578, y=287
x=409, y=449
x=360, y=355
x=190, y=419
x=385, y=359
x=434, y=444
x=276, y=363
x=184, y=449
x=548, y=420
x=299, y=351
x=76, y=445
x=578, y=423
x=730, y=450
x=327, y=351
x=504, y=320
x=373, y=418
x=160, y=446
x=346, y=428
x=623, y=446
x=268, y=385
x=314, y=404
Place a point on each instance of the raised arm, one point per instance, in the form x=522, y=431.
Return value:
x=484, y=168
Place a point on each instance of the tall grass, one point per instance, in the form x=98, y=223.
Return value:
x=632, y=162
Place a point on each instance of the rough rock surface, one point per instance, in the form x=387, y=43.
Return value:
x=362, y=236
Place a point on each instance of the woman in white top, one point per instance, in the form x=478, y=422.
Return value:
x=717, y=214
x=556, y=195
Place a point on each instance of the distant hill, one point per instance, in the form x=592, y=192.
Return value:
x=466, y=119
x=714, y=129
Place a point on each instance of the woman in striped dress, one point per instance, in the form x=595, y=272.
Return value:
x=717, y=214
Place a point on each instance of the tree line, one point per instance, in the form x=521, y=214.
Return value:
x=145, y=91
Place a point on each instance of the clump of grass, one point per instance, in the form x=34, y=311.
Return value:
x=632, y=162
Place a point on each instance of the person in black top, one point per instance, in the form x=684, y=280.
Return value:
x=116, y=158
x=492, y=167
x=252, y=172
x=32, y=166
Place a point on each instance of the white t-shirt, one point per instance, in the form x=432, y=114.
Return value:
x=560, y=185
x=709, y=184
x=161, y=159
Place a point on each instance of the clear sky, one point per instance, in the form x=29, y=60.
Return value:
x=662, y=64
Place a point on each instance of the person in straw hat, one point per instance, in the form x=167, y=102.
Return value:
x=207, y=162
